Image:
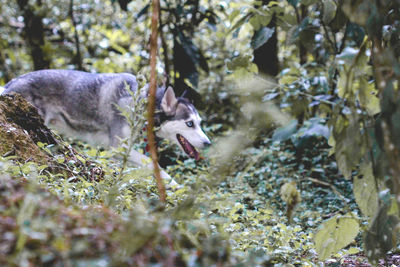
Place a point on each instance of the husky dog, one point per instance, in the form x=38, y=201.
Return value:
x=83, y=105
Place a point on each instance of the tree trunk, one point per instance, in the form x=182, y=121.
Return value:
x=302, y=48
x=34, y=34
x=266, y=56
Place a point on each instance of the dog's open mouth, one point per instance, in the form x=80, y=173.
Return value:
x=187, y=147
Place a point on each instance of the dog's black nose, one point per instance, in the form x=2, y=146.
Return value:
x=206, y=144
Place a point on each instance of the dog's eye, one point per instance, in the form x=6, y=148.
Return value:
x=189, y=123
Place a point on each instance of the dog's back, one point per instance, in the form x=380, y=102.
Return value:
x=77, y=90
x=76, y=102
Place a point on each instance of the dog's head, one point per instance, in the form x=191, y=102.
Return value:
x=181, y=124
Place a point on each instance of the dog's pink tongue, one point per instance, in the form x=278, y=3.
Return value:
x=188, y=148
x=192, y=151
x=196, y=155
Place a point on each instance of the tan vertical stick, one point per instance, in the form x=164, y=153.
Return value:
x=152, y=99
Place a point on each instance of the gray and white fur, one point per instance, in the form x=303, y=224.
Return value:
x=83, y=105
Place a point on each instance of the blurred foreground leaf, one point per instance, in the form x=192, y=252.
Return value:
x=382, y=236
x=334, y=234
x=365, y=191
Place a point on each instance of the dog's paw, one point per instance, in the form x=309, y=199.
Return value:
x=174, y=184
x=169, y=182
x=165, y=176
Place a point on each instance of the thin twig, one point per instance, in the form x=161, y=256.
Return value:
x=78, y=56
x=330, y=41
x=281, y=88
x=342, y=46
x=164, y=46
x=334, y=189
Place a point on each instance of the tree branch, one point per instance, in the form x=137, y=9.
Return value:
x=152, y=99
x=164, y=46
x=78, y=56
x=330, y=41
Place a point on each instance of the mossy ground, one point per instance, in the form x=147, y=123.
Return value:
x=15, y=139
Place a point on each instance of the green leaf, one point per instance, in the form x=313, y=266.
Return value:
x=239, y=62
x=40, y=144
x=368, y=96
x=339, y=21
x=355, y=32
x=258, y=21
x=365, y=191
x=348, y=55
x=294, y=32
x=240, y=22
x=350, y=141
x=334, y=234
x=293, y=2
x=315, y=127
x=261, y=37
x=329, y=12
x=284, y=133
x=233, y=15
x=357, y=11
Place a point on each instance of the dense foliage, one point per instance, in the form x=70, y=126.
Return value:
x=304, y=166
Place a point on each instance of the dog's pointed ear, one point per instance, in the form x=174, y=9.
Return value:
x=169, y=102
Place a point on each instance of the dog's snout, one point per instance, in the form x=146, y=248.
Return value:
x=206, y=144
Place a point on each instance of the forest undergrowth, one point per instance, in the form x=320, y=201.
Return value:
x=240, y=220
x=303, y=169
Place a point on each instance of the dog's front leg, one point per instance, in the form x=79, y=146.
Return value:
x=143, y=161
